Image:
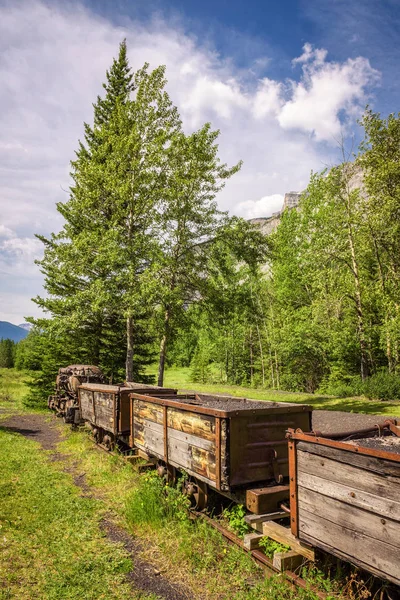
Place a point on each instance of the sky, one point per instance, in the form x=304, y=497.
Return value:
x=284, y=81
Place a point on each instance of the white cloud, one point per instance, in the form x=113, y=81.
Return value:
x=53, y=59
x=326, y=90
x=266, y=206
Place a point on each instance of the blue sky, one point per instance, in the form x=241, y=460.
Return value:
x=283, y=81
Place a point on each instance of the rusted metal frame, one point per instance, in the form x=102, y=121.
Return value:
x=395, y=428
x=104, y=388
x=218, y=412
x=355, y=432
x=165, y=409
x=132, y=422
x=115, y=414
x=292, y=456
x=218, y=453
x=94, y=408
x=391, y=456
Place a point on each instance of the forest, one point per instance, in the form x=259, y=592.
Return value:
x=147, y=269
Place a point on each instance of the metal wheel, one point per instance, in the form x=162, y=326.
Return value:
x=108, y=442
x=172, y=475
x=197, y=491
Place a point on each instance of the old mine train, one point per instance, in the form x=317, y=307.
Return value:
x=342, y=491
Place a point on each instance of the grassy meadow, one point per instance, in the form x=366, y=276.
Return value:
x=52, y=545
x=180, y=377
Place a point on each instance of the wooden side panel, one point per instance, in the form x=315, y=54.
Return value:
x=149, y=436
x=187, y=439
x=349, y=506
x=254, y=440
x=202, y=426
x=105, y=410
x=86, y=405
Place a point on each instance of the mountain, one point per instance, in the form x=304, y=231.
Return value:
x=8, y=331
x=27, y=326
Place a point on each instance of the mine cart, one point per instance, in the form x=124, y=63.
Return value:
x=65, y=401
x=233, y=445
x=106, y=409
x=345, y=495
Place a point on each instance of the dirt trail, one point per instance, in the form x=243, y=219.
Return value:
x=144, y=577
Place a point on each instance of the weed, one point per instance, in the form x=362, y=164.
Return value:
x=234, y=516
x=271, y=546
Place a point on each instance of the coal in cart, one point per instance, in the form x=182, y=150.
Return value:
x=345, y=495
x=106, y=410
x=233, y=445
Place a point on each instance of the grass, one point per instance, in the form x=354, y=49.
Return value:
x=185, y=551
x=51, y=544
x=13, y=390
x=180, y=377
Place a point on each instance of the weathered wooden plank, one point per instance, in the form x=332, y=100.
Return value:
x=353, y=518
x=351, y=495
x=332, y=470
x=199, y=425
x=266, y=499
x=86, y=405
x=148, y=411
x=283, y=535
x=287, y=561
x=191, y=458
x=355, y=547
x=377, y=465
x=193, y=440
x=149, y=436
x=251, y=540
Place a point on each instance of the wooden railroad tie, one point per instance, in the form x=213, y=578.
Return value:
x=283, y=535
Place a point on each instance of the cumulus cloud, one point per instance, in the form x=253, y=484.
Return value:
x=326, y=90
x=266, y=206
x=52, y=62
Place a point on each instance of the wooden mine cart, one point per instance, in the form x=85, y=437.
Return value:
x=106, y=409
x=229, y=444
x=345, y=496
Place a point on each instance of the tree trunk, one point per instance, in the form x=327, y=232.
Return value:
x=129, y=349
x=163, y=349
x=357, y=293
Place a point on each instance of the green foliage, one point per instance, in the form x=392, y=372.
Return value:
x=270, y=546
x=234, y=516
x=7, y=353
x=153, y=503
x=383, y=386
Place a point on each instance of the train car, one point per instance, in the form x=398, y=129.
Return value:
x=232, y=445
x=106, y=409
x=345, y=495
x=65, y=401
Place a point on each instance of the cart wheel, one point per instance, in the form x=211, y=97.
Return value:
x=108, y=442
x=197, y=491
x=172, y=475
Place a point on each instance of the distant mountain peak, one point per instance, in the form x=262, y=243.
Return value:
x=8, y=331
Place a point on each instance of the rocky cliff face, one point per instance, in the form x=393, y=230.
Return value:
x=269, y=224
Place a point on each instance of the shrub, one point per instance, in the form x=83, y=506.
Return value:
x=382, y=386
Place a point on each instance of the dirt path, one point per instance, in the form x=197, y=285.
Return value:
x=144, y=577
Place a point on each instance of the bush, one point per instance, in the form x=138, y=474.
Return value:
x=382, y=386
x=338, y=383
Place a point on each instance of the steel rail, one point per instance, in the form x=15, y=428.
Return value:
x=260, y=558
